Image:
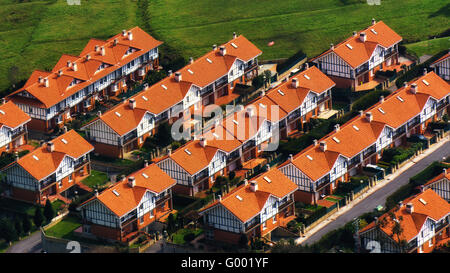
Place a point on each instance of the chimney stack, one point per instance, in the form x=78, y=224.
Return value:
x=332, y=46
x=69, y=63
x=234, y=35
x=337, y=127
x=267, y=167
x=131, y=181
x=361, y=113
x=381, y=99
x=291, y=157
x=97, y=48
x=203, y=142
x=102, y=51
x=405, y=84
x=75, y=67
x=425, y=71
x=124, y=33
x=130, y=36
x=295, y=83
x=363, y=37
x=220, y=198
x=96, y=193
x=369, y=116
x=40, y=79
x=214, y=47
x=88, y=57
x=169, y=151
x=146, y=163
x=444, y=171
x=46, y=83
x=373, y=21
x=355, y=33
x=99, y=113
x=178, y=76
x=169, y=73
x=191, y=60
x=410, y=208
x=414, y=88
x=132, y=103
x=16, y=155
x=315, y=142
x=65, y=129
x=306, y=66
x=223, y=50
x=50, y=146
x=323, y=146
x=245, y=182
x=400, y=204
x=60, y=72
x=253, y=186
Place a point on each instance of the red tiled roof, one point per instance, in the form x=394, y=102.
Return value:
x=155, y=180
x=70, y=144
x=435, y=208
x=12, y=116
x=441, y=58
x=251, y=203
x=362, y=51
x=87, y=69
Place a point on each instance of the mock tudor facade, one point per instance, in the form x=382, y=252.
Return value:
x=254, y=209
x=129, y=207
x=76, y=83
x=356, y=60
x=50, y=170
x=424, y=220
x=200, y=83
x=13, y=127
x=442, y=67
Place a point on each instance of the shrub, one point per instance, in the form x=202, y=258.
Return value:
x=189, y=237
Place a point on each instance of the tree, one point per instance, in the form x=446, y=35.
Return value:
x=243, y=241
x=18, y=226
x=7, y=231
x=49, y=211
x=258, y=81
x=171, y=223
x=38, y=217
x=26, y=224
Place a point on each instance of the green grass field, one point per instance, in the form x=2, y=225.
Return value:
x=34, y=34
x=95, y=179
x=429, y=47
x=64, y=228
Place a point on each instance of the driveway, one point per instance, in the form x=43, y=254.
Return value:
x=31, y=244
x=379, y=197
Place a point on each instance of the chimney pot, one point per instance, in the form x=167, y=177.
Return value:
x=369, y=116
x=373, y=21
x=178, y=76
x=223, y=50
x=130, y=35
x=50, y=146
x=214, y=47
x=323, y=146
x=88, y=57
x=102, y=51
x=410, y=208
x=75, y=67
x=203, y=142
x=132, y=103
x=332, y=46
x=363, y=37
x=46, y=83
x=97, y=48
x=131, y=181
x=234, y=35
x=295, y=83
x=40, y=79
x=69, y=63
x=414, y=88
x=253, y=186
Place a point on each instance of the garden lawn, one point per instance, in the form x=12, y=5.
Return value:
x=429, y=47
x=57, y=205
x=178, y=237
x=95, y=179
x=192, y=27
x=64, y=228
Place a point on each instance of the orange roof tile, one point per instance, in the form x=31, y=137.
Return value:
x=435, y=208
x=362, y=51
x=441, y=58
x=40, y=163
x=192, y=157
x=87, y=69
x=250, y=203
x=150, y=178
x=12, y=116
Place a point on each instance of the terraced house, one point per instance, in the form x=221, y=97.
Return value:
x=318, y=169
x=440, y=185
x=232, y=142
x=13, y=127
x=254, y=209
x=129, y=207
x=76, y=83
x=355, y=61
x=305, y=95
x=442, y=67
x=209, y=79
x=424, y=221
x=50, y=171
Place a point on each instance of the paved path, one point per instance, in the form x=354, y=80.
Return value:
x=378, y=194
x=31, y=244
